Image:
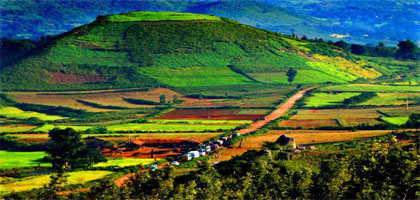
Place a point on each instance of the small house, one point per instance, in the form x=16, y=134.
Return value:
x=186, y=157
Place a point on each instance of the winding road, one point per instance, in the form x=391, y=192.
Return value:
x=280, y=111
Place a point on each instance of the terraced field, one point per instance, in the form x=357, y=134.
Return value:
x=10, y=159
x=326, y=99
x=124, y=162
x=16, y=113
x=196, y=76
x=371, y=88
x=39, y=181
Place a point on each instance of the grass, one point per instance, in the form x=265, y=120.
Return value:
x=303, y=76
x=357, y=69
x=371, y=88
x=125, y=162
x=10, y=159
x=392, y=99
x=39, y=181
x=159, y=16
x=48, y=127
x=16, y=113
x=195, y=76
x=326, y=99
x=332, y=70
x=200, y=121
x=395, y=120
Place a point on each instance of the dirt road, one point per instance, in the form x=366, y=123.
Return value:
x=281, y=109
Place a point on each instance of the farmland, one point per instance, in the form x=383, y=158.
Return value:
x=16, y=128
x=26, y=159
x=16, y=113
x=145, y=127
x=124, y=162
x=196, y=76
x=371, y=88
x=209, y=114
x=302, y=137
x=39, y=181
x=325, y=99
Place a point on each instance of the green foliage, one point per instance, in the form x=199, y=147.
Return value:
x=407, y=50
x=291, y=73
x=140, y=101
x=66, y=149
x=413, y=121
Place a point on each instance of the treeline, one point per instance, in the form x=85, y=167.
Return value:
x=364, y=96
x=140, y=101
x=405, y=49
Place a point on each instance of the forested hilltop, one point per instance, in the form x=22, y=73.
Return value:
x=155, y=49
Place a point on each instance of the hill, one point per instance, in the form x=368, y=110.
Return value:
x=361, y=22
x=366, y=22
x=153, y=49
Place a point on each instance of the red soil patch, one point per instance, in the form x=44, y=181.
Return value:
x=222, y=114
x=59, y=77
x=33, y=140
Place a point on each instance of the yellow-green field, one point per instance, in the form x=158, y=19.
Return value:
x=11, y=159
x=39, y=181
x=124, y=162
x=328, y=99
x=16, y=113
x=395, y=120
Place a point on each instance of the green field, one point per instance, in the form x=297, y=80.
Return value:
x=392, y=99
x=16, y=113
x=196, y=76
x=125, y=162
x=10, y=159
x=158, y=16
x=371, y=88
x=303, y=76
x=48, y=127
x=395, y=120
x=326, y=99
x=39, y=181
x=200, y=121
x=332, y=70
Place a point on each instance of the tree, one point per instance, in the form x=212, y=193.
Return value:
x=291, y=75
x=66, y=150
x=162, y=99
x=357, y=49
x=407, y=50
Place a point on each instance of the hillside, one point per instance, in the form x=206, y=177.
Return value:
x=152, y=49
